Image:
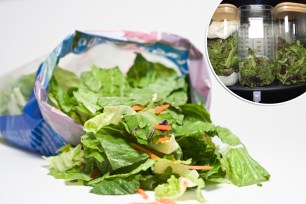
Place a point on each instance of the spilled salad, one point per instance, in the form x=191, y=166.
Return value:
x=142, y=133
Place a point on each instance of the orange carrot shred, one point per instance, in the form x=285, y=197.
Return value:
x=143, y=193
x=161, y=108
x=200, y=167
x=166, y=201
x=163, y=139
x=140, y=148
x=163, y=127
x=138, y=107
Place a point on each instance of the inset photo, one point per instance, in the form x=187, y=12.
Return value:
x=257, y=49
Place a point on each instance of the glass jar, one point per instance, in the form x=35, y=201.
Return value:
x=290, y=32
x=222, y=43
x=256, y=45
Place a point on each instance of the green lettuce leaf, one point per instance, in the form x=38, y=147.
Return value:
x=110, y=115
x=117, y=186
x=106, y=82
x=242, y=169
x=65, y=79
x=196, y=144
x=197, y=128
x=87, y=100
x=166, y=147
x=142, y=167
x=227, y=136
x=67, y=160
x=118, y=151
x=141, y=124
x=143, y=72
x=164, y=89
x=115, y=101
x=195, y=112
x=176, y=187
x=73, y=174
x=60, y=95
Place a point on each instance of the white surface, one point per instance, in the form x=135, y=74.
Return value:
x=274, y=135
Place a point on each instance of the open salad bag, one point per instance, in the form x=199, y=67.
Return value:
x=27, y=119
x=126, y=113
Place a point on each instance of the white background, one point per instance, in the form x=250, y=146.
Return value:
x=274, y=135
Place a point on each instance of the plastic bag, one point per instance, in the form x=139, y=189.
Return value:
x=41, y=128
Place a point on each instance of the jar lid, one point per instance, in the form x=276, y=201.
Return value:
x=225, y=11
x=290, y=9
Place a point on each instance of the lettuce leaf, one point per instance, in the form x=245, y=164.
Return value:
x=87, y=101
x=105, y=82
x=195, y=112
x=242, y=169
x=227, y=136
x=164, y=89
x=119, y=152
x=166, y=147
x=60, y=95
x=66, y=160
x=176, y=187
x=141, y=124
x=142, y=167
x=72, y=174
x=143, y=72
x=110, y=115
x=117, y=186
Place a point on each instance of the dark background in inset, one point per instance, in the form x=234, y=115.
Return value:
x=266, y=2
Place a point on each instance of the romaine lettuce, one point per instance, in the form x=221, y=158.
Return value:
x=124, y=149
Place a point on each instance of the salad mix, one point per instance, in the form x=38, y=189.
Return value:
x=223, y=54
x=256, y=70
x=291, y=67
x=142, y=133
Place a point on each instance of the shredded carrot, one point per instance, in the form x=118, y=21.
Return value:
x=163, y=127
x=138, y=107
x=143, y=193
x=166, y=201
x=200, y=167
x=163, y=139
x=161, y=108
x=140, y=148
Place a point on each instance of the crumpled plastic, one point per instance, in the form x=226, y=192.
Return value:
x=219, y=29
